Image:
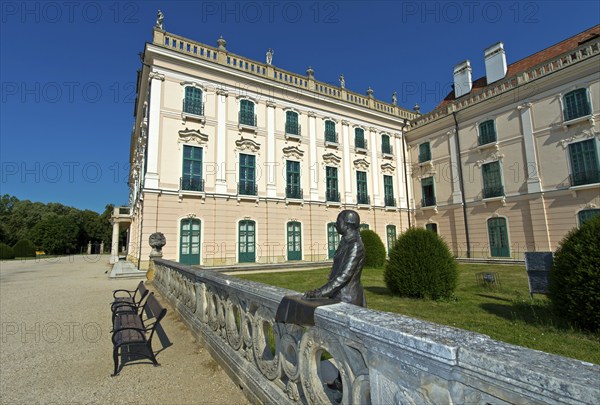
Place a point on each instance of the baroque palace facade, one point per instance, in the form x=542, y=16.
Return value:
x=238, y=161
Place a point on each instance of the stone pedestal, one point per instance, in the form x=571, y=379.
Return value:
x=150, y=271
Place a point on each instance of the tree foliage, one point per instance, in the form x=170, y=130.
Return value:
x=374, y=249
x=52, y=227
x=575, y=276
x=420, y=265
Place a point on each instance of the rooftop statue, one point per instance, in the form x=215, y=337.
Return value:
x=159, y=19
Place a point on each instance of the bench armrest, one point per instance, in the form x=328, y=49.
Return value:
x=130, y=293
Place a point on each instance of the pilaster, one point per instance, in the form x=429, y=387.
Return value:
x=221, y=145
x=347, y=171
x=533, y=180
x=151, y=177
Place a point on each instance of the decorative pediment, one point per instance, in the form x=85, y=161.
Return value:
x=586, y=133
x=387, y=168
x=192, y=135
x=331, y=158
x=243, y=144
x=361, y=164
x=491, y=158
x=293, y=151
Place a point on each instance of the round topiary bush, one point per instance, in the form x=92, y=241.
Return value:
x=6, y=252
x=421, y=266
x=575, y=276
x=24, y=248
x=374, y=249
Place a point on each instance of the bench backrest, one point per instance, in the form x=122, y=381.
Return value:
x=153, y=310
x=140, y=293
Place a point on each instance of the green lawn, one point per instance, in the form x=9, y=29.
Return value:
x=504, y=313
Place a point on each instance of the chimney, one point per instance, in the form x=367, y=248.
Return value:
x=495, y=63
x=463, y=82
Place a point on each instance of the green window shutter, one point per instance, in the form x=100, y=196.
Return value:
x=492, y=180
x=487, y=132
x=424, y=152
x=359, y=138
x=191, y=178
x=588, y=214
x=362, y=189
x=584, y=163
x=291, y=123
x=189, y=241
x=428, y=192
x=247, y=185
x=331, y=183
x=293, y=189
x=576, y=104
x=385, y=144
x=330, y=135
x=388, y=191
x=247, y=116
x=192, y=103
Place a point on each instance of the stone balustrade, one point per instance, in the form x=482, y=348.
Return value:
x=382, y=358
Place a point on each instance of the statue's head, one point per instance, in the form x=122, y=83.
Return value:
x=347, y=220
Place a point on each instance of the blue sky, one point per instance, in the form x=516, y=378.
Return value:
x=68, y=68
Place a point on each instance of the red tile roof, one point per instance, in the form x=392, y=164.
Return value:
x=533, y=60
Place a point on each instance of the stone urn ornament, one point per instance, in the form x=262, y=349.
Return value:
x=157, y=240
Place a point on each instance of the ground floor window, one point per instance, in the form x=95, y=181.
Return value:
x=189, y=241
x=431, y=227
x=498, y=234
x=333, y=239
x=586, y=215
x=390, y=231
x=294, y=241
x=247, y=242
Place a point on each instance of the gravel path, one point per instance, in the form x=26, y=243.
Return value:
x=56, y=343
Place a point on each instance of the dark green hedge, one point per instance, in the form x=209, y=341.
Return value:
x=6, y=252
x=575, y=276
x=24, y=248
x=421, y=266
x=374, y=249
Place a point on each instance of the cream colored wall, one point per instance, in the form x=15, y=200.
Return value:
x=535, y=221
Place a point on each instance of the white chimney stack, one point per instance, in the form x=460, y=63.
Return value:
x=463, y=81
x=495, y=63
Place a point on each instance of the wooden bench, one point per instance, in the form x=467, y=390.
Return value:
x=129, y=300
x=133, y=329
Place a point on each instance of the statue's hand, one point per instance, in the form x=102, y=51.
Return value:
x=313, y=294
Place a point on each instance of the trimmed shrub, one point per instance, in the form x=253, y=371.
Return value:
x=575, y=276
x=421, y=266
x=374, y=249
x=6, y=252
x=24, y=248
